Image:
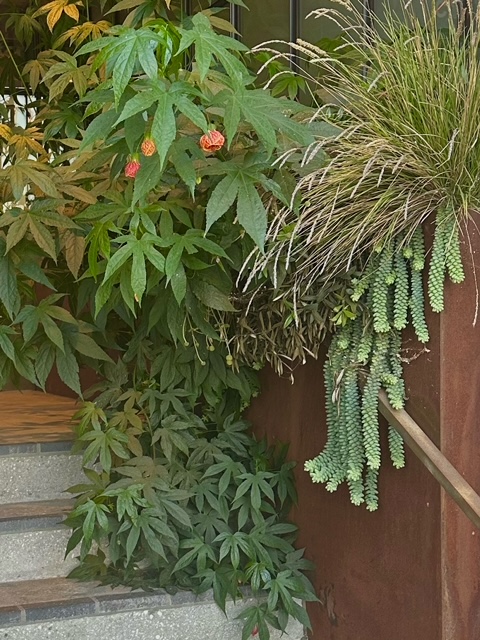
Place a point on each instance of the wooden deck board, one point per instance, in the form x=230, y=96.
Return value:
x=35, y=417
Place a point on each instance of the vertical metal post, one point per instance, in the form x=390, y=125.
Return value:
x=467, y=18
x=187, y=10
x=236, y=18
x=368, y=21
x=294, y=31
x=368, y=12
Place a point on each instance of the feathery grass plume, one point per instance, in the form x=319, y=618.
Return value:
x=408, y=146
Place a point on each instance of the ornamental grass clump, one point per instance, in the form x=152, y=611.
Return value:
x=408, y=100
x=409, y=144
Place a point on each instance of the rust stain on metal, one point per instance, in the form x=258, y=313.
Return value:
x=327, y=600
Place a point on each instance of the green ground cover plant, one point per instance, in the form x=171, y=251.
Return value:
x=131, y=198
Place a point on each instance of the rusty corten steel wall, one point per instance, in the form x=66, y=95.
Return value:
x=377, y=574
x=410, y=571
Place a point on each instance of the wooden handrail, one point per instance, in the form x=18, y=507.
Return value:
x=442, y=470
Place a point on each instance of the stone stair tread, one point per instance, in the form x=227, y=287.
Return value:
x=35, y=417
x=35, y=509
x=52, y=591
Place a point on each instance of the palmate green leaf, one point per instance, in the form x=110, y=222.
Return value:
x=185, y=168
x=99, y=128
x=233, y=544
x=210, y=45
x=6, y=344
x=268, y=116
x=199, y=552
x=142, y=101
x=240, y=184
x=86, y=345
x=251, y=211
x=123, y=51
x=9, y=294
x=139, y=273
x=164, y=127
x=178, y=283
x=191, y=111
x=102, y=444
x=257, y=485
x=67, y=368
x=147, y=178
x=222, y=198
x=174, y=257
x=44, y=362
x=132, y=541
x=211, y=296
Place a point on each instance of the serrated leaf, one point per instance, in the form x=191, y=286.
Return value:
x=251, y=212
x=147, y=178
x=74, y=250
x=16, y=231
x=99, y=128
x=222, y=198
x=6, y=345
x=67, y=368
x=52, y=331
x=231, y=121
x=9, y=294
x=139, y=273
x=43, y=238
x=185, y=168
x=164, y=127
x=191, y=111
x=211, y=296
x=41, y=180
x=132, y=541
x=116, y=261
x=123, y=70
x=44, y=362
x=139, y=103
x=178, y=283
x=88, y=347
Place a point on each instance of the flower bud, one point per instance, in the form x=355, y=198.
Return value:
x=212, y=141
x=132, y=168
x=148, y=147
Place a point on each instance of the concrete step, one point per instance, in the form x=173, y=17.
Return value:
x=33, y=540
x=62, y=609
x=44, y=473
x=35, y=443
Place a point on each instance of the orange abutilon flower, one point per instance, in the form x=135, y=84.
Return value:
x=132, y=167
x=212, y=141
x=148, y=147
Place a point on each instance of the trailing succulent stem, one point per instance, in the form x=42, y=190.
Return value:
x=365, y=356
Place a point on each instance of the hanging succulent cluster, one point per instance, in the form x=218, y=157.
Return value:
x=365, y=356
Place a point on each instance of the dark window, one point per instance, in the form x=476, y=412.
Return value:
x=286, y=20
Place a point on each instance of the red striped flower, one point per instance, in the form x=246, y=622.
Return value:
x=132, y=168
x=212, y=141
